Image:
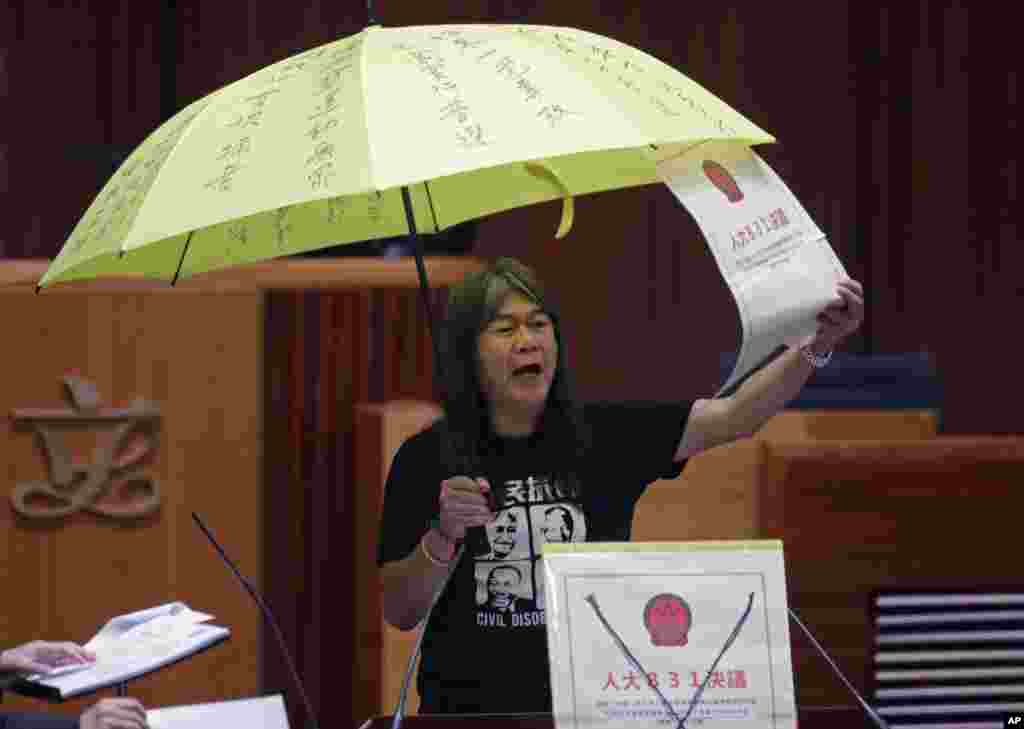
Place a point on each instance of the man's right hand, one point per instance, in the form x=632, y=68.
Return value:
x=464, y=505
x=41, y=656
x=114, y=714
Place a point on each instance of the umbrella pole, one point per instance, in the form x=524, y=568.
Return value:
x=417, y=241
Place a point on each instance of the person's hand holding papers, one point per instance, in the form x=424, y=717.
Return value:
x=126, y=647
x=841, y=318
x=40, y=656
x=48, y=658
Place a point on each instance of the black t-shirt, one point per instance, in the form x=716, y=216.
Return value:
x=485, y=649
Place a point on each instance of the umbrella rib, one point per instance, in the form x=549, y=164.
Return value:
x=184, y=252
x=430, y=201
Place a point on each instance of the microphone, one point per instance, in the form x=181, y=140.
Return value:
x=872, y=714
x=396, y=722
x=311, y=720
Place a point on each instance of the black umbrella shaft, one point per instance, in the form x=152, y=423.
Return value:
x=417, y=241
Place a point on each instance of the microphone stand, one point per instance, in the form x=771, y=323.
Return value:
x=396, y=722
x=311, y=720
x=872, y=714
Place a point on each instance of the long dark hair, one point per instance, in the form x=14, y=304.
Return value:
x=466, y=427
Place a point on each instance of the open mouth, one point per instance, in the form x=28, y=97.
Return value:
x=530, y=370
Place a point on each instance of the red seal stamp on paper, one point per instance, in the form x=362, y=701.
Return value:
x=723, y=180
x=668, y=619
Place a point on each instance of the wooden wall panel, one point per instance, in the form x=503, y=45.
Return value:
x=718, y=494
x=219, y=43
x=384, y=651
x=857, y=517
x=63, y=580
x=323, y=353
x=327, y=352
x=9, y=23
x=85, y=84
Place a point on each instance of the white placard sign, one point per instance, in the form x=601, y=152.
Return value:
x=653, y=635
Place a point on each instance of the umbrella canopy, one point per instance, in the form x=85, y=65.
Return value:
x=388, y=132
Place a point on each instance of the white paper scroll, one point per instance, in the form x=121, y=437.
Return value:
x=777, y=263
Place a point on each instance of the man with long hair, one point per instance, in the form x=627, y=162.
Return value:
x=512, y=437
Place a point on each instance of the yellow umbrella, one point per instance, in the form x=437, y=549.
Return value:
x=388, y=132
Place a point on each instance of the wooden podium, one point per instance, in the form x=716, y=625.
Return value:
x=252, y=376
x=824, y=717
x=862, y=501
x=856, y=517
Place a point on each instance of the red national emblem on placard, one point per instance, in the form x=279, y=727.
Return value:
x=668, y=619
x=723, y=180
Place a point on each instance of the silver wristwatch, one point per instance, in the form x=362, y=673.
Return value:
x=817, y=360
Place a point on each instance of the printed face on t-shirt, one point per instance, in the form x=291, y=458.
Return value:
x=502, y=585
x=556, y=525
x=508, y=567
x=504, y=532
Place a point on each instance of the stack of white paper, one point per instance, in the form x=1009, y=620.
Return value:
x=267, y=712
x=129, y=646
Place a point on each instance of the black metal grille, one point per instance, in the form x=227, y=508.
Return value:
x=948, y=659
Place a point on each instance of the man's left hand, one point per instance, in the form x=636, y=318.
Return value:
x=841, y=318
x=42, y=656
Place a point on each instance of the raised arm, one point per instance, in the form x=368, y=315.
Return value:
x=723, y=420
